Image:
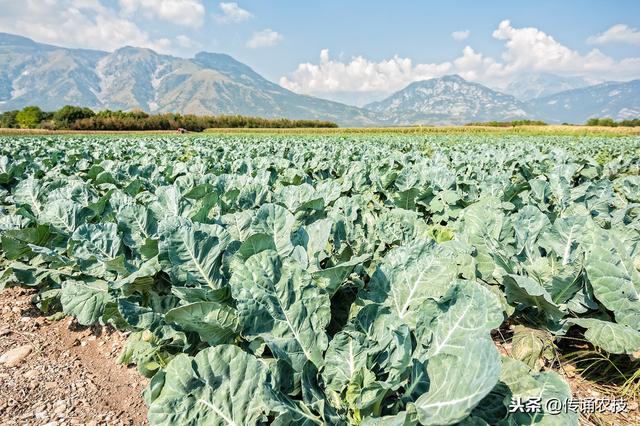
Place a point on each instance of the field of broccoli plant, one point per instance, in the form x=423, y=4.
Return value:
x=337, y=280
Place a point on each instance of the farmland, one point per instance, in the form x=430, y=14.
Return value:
x=338, y=279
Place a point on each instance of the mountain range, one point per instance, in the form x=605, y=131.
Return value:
x=32, y=73
x=50, y=77
x=447, y=100
x=532, y=85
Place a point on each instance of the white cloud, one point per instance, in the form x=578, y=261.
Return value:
x=75, y=23
x=358, y=75
x=619, y=33
x=525, y=50
x=231, y=12
x=186, y=42
x=264, y=38
x=460, y=35
x=532, y=49
x=180, y=12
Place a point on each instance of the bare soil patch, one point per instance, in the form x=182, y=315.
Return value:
x=69, y=376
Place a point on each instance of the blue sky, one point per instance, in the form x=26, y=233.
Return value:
x=419, y=29
x=367, y=46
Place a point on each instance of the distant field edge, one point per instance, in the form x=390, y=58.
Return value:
x=557, y=130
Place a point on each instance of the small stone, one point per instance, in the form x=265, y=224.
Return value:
x=54, y=423
x=5, y=332
x=60, y=408
x=92, y=423
x=15, y=356
x=31, y=374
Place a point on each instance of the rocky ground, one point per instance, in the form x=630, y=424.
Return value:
x=57, y=373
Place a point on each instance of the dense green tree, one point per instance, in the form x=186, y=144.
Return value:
x=609, y=122
x=139, y=120
x=8, y=120
x=30, y=117
x=78, y=118
x=69, y=114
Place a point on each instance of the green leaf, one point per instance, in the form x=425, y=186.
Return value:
x=524, y=292
x=411, y=275
x=64, y=215
x=139, y=317
x=457, y=383
x=278, y=222
x=615, y=280
x=194, y=253
x=214, y=322
x=85, y=300
x=15, y=243
x=29, y=192
x=332, y=278
x=470, y=312
x=222, y=385
x=613, y=338
x=255, y=244
x=462, y=362
x=347, y=354
x=279, y=302
x=528, y=224
x=138, y=226
x=96, y=241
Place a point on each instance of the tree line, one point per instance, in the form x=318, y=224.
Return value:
x=79, y=118
x=610, y=122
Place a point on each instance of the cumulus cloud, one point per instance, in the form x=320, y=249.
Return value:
x=180, y=12
x=460, y=35
x=619, y=33
x=231, y=12
x=75, y=23
x=264, y=38
x=359, y=75
x=186, y=42
x=532, y=49
x=525, y=49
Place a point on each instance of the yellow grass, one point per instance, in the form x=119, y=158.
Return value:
x=428, y=130
x=422, y=130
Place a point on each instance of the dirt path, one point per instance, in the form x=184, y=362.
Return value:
x=70, y=375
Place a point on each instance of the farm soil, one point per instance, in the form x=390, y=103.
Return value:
x=70, y=376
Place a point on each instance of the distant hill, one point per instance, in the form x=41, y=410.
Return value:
x=528, y=86
x=129, y=78
x=50, y=77
x=447, y=100
x=615, y=100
